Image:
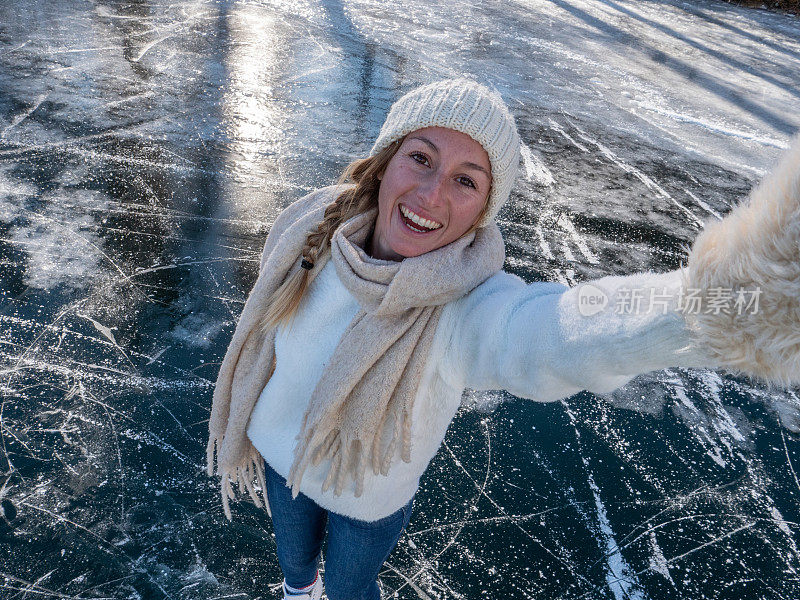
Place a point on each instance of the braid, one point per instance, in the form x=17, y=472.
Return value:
x=335, y=213
x=353, y=201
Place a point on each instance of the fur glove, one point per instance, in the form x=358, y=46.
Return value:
x=752, y=254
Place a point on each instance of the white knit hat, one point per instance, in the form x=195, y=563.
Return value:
x=469, y=107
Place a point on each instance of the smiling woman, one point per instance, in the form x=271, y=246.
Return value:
x=380, y=301
x=433, y=191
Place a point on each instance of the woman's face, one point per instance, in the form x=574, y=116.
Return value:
x=431, y=193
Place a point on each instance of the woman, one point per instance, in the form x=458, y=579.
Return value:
x=379, y=302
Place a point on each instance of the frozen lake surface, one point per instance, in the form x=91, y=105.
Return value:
x=147, y=146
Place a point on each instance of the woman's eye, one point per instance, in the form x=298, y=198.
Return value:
x=467, y=181
x=420, y=158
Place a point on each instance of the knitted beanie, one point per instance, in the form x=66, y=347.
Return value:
x=469, y=107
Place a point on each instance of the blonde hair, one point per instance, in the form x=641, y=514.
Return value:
x=365, y=173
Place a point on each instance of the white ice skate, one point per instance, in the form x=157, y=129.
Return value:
x=315, y=593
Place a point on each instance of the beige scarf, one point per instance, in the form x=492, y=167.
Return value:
x=362, y=404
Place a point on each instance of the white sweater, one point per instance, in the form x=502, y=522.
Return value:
x=528, y=339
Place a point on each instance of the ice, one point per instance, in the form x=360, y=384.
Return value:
x=147, y=147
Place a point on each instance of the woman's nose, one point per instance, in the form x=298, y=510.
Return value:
x=431, y=192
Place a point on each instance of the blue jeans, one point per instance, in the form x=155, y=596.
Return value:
x=355, y=551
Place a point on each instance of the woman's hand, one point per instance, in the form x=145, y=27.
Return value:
x=752, y=255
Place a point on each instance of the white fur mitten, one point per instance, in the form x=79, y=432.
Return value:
x=753, y=254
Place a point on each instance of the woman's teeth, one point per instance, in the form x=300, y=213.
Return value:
x=425, y=224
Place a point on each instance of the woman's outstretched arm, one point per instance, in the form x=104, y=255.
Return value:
x=546, y=341
x=736, y=306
